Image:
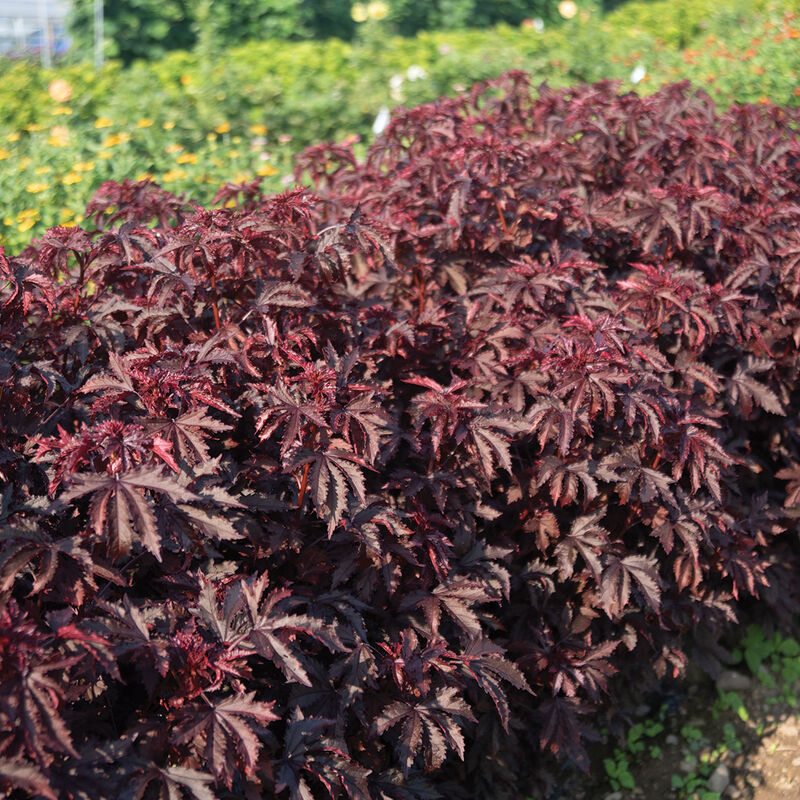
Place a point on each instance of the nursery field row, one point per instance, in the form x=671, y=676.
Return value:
x=195, y=120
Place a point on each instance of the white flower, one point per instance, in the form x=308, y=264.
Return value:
x=381, y=121
x=395, y=82
x=567, y=8
x=638, y=73
x=538, y=24
x=416, y=73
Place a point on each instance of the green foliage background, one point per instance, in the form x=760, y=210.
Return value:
x=305, y=92
x=138, y=29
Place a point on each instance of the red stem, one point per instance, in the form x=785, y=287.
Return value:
x=304, y=480
x=502, y=218
x=214, y=302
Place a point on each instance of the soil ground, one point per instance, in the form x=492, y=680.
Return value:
x=758, y=748
x=765, y=767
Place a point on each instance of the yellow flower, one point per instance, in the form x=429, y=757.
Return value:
x=567, y=8
x=237, y=139
x=13, y=137
x=116, y=138
x=103, y=122
x=83, y=166
x=61, y=111
x=186, y=80
x=173, y=148
x=211, y=137
x=35, y=188
x=26, y=225
x=173, y=175
x=187, y=158
x=27, y=213
x=144, y=122
x=223, y=128
x=230, y=203
x=4, y=154
x=24, y=163
x=359, y=12
x=267, y=169
x=242, y=177
x=67, y=218
x=377, y=10
x=168, y=126
x=145, y=176
x=8, y=222
x=59, y=136
x=70, y=178
x=33, y=127
x=259, y=130
x=104, y=154
x=43, y=170
x=233, y=154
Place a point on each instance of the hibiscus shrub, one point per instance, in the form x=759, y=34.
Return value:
x=379, y=491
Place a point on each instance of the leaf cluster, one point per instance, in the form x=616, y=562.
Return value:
x=373, y=492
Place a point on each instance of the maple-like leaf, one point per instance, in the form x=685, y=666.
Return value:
x=188, y=433
x=362, y=423
x=428, y=725
x=489, y=435
x=792, y=475
x=560, y=731
x=284, y=409
x=564, y=480
x=34, y=708
x=168, y=783
x=747, y=392
x=626, y=469
x=586, y=539
x=550, y=418
x=310, y=756
x=279, y=294
x=615, y=584
x=224, y=729
x=456, y=598
x=27, y=777
x=120, y=507
x=127, y=629
x=484, y=661
x=331, y=471
x=274, y=634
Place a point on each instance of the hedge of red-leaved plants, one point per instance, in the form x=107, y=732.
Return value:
x=383, y=491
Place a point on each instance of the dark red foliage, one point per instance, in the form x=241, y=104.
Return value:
x=375, y=492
